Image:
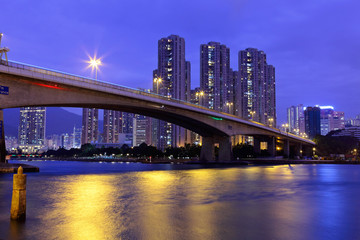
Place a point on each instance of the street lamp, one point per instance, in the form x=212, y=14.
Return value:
x=271, y=120
x=229, y=104
x=157, y=81
x=252, y=114
x=314, y=151
x=94, y=63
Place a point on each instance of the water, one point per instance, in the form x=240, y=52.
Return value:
x=74, y=200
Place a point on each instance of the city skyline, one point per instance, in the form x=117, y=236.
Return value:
x=301, y=40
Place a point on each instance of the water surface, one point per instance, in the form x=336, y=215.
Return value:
x=75, y=200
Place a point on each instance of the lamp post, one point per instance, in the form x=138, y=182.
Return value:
x=252, y=114
x=229, y=104
x=157, y=81
x=271, y=120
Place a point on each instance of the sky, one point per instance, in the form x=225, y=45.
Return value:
x=313, y=44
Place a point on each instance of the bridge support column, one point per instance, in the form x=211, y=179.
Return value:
x=272, y=146
x=286, y=148
x=207, y=153
x=257, y=150
x=225, y=149
x=298, y=150
x=2, y=138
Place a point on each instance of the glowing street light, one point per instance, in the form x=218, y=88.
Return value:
x=229, y=104
x=94, y=63
x=271, y=120
x=157, y=81
x=252, y=114
x=201, y=95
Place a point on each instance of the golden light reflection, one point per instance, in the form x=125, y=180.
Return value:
x=83, y=203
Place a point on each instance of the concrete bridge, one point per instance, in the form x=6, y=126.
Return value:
x=26, y=86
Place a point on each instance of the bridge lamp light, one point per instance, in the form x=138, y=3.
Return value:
x=158, y=81
x=94, y=63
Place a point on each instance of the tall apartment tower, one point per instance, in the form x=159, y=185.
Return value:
x=90, y=119
x=174, y=73
x=32, y=128
x=296, y=120
x=257, y=87
x=141, y=130
x=312, y=121
x=112, y=126
x=215, y=75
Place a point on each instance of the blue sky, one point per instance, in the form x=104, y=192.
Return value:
x=313, y=44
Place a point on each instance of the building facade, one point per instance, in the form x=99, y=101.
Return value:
x=112, y=126
x=215, y=75
x=171, y=79
x=312, y=121
x=255, y=94
x=32, y=129
x=296, y=120
x=90, y=120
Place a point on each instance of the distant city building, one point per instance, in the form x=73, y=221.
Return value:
x=353, y=121
x=215, y=75
x=65, y=141
x=141, y=130
x=296, y=120
x=112, y=126
x=127, y=128
x=32, y=129
x=257, y=88
x=171, y=79
x=330, y=120
x=11, y=143
x=90, y=132
x=76, y=138
x=312, y=121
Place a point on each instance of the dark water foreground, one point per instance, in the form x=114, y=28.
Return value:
x=74, y=200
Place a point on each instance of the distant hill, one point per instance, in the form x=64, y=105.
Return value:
x=58, y=121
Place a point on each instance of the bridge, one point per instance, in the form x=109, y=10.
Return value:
x=23, y=85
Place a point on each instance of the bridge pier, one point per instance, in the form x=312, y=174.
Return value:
x=257, y=149
x=298, y=150
x=2, y=138
x=207, y=153
x=272, y=146
x=225, y=149
x=286, y=148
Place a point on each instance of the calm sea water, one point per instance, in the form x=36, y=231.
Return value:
x=75, y=200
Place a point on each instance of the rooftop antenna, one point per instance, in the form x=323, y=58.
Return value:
x=3, y=50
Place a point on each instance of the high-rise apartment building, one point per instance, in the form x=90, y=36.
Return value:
x=90, y=119
x=32, y=128
x=141, y=130
x=296, y=120
x=171, y=79
x=215, y=75
x=312, y=121
x=257, y=88
x=112, y=126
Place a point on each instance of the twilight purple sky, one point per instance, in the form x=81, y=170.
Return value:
x=313, y=44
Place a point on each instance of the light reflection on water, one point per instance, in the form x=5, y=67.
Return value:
x=131, y=202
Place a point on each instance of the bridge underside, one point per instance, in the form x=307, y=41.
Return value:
x=26, y=92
